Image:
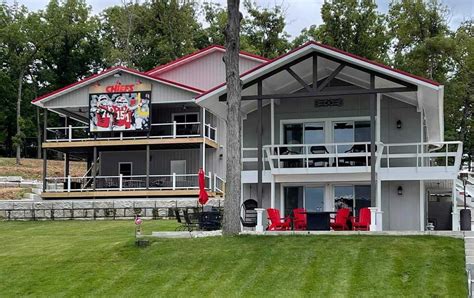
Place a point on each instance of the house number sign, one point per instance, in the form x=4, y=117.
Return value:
x=329, y=102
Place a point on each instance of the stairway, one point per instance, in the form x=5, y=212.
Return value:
x=469, y=252
x=35, y=193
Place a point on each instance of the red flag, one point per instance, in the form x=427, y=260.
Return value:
x=203, y=197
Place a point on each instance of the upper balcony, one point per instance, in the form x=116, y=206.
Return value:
x=159, y=133
x=402, y=161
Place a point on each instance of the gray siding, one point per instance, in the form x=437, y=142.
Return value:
x=161, y=93
x=401, y=213
x=159, y=165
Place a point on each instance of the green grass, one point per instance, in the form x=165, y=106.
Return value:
x=98, y=258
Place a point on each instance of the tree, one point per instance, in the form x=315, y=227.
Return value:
x=234, y=88
x=421, y=40
x=354, y=26
x=459, y=102
x=264, y=30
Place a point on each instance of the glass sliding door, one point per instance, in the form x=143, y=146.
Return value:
x=293, y=198
x=362, y=197
x=314, y=133
x=343, y=133
x=314, y=199
x=353, y=197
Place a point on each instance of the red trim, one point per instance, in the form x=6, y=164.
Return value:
x=130, y=70
x=332, y=49
x=177, y=61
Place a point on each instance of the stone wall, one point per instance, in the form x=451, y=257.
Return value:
x=95, y=209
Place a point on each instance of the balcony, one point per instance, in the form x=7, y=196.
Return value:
x=160, y=133
x=403, y=161
x=131, y=186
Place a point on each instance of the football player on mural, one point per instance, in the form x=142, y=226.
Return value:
x=104, y=112
x=142, y=113
x=123, y=113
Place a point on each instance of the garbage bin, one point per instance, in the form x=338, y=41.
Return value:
x=465, y=219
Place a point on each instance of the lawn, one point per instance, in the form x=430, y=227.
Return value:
x=98, y=258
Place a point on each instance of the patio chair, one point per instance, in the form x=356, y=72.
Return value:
x=319, y=150
x=299, y=219
x=362, y=222
x=249, y=215
x=191, y=224
x=277, y=223
x=182, y=226
x=339, y=223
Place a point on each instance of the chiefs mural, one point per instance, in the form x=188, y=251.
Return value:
x=120, y=107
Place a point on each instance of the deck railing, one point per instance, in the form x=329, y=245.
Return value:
x=157, y=130
x=134, y=182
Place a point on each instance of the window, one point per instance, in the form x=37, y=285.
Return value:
x=350, y=131
x=125, y=168
x=186, y=117
x=293, y=198
x=353, y=197
x=314, y=199
x=178, y=167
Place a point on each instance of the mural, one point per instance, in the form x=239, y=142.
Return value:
x=120, y=107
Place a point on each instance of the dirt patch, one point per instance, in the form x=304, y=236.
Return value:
x=13, y=193
x=33, y=168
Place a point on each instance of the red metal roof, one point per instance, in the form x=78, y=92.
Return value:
x=174, y=63
x=332, y=49
x=130, y=70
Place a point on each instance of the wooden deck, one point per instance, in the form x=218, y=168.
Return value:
x=128, y=142
x=124, y=194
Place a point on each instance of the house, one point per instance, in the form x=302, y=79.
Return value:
x=325, y=129
x=141, y=133
x=322, y=129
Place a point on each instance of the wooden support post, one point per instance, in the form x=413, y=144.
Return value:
x=203, y=144
x=66, y=164
x=373, y=182
x=94, y=168
x=259, y=148
x=147, y=165
x=45, y=125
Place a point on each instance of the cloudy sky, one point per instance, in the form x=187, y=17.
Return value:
x=299, y=13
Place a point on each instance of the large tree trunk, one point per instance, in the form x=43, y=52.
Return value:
x=233, y=186
x=18, y=119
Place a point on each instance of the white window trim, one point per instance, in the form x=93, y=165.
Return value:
x=329, y=137
x=126, y=162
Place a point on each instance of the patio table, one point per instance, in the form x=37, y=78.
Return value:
x=318, y=221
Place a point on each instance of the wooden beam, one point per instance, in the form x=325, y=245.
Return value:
x=373, y=182
x=330, y=77
x=326, y=94
x=299, y=79
x=147, y=166
x=94, y=168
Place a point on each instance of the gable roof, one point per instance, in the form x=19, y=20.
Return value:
x=429, y=96
x=106, y=73
x=198, y=54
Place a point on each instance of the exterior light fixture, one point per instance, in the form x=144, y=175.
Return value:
x=399, y=124
x=400, y=190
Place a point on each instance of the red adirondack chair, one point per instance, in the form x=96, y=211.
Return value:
x=362, y=222
x=340, y=222
x=299, y=219
x=277, y=223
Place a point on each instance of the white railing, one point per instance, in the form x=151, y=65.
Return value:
x=250, y=159
x=421, y=155
x=134, y=182
x=318, y=155
x=158, y=130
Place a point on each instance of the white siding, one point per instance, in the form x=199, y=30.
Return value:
x=205, y=72
x=401, y=212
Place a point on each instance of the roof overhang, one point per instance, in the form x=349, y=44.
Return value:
x=428, y=97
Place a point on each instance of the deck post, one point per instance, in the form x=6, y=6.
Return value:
x=203, y=144
x=66, y=163
x=373, y=192
x=147, y=166
x=455, y=213
x=259, y=148
x=45, y=167
x=94, y=167
x=272, y=193
x=422, y=205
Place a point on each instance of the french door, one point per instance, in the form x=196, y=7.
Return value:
x=309, y=197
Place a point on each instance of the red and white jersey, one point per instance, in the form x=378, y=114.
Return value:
x=103, y=116
x=122, y=116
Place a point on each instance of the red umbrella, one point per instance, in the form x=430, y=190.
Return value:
x=203, y=197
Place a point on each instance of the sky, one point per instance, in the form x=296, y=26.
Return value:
x=299, y=13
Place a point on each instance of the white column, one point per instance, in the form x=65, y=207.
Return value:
x=259, y=227
x=272, y=119
x=272, y=193
x=373, y=219
x=378, y=201
x=203, y=139
x=378, y=122
x=422, y=205
x=455, y=213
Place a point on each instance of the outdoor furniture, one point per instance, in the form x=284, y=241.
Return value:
x=339, y=223
x=290, y=162
x=248, y=216
x=210, y=221
x=277, y=223
x=183, y=226
x=299, y=219
x=318, y=221
x=319, y=150
x=192, y=223
x=362, y=222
